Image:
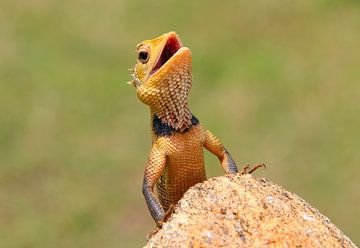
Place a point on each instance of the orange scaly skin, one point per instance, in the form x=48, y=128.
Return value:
x=162, y=77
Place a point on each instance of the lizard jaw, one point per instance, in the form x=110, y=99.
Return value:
x=171, y=48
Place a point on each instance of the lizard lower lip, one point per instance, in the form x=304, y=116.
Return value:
x=171, y=47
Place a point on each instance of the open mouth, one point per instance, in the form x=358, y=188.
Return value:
x=171, y=47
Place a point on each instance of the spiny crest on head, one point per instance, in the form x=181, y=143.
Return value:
x=135, y=82
x=132, y=74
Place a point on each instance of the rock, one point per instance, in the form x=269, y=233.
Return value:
x=243, y=211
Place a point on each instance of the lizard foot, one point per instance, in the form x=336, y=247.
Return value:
x=247, y=170
x=153, y=232
x=167, y=215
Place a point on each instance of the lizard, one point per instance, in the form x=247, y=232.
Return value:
x=162, y=77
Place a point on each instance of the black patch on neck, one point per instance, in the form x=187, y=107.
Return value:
x=164, y=129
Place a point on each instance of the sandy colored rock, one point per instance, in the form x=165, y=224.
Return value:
x=243, y=211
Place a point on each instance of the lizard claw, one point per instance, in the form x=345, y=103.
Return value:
x=153, y=232
x=247, y=170
x=168, y=213
x=159, y=224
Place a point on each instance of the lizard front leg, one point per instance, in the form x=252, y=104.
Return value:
x=213, y=145
x=154, y=167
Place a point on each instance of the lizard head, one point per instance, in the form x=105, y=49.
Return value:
x=162, y=77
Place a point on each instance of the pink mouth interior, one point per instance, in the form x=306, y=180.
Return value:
x=171, y=47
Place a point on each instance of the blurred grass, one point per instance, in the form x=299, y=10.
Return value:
x=276, y=81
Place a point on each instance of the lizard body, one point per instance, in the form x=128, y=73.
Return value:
x=162, y=77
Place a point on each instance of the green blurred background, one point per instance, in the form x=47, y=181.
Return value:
x=277, y=81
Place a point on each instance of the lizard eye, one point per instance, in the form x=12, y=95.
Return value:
x=143, y=56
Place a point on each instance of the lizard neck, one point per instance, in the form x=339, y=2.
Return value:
x=177, y=117
x=159, y=128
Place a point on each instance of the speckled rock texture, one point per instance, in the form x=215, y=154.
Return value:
x=243, y=211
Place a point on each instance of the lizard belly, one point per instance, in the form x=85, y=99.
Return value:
x=184, y=168
x=177, y=178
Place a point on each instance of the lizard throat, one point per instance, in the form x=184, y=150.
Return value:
x=163, y=129
x=177, y=118
x=167, y=97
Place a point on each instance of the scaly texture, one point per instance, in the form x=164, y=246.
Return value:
x=243, y=211
x=162, y=77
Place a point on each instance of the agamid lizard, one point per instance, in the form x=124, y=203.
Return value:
x=162, y=77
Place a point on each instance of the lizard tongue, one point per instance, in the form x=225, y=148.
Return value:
x=171, y=47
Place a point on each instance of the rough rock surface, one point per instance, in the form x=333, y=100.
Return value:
x=243, y=211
